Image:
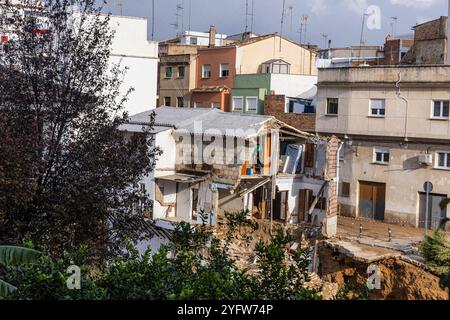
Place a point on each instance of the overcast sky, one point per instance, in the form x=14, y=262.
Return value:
x=340, y=19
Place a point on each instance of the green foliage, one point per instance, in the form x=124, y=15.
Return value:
x=10, y=255
x=195, y=266
x=436, y=251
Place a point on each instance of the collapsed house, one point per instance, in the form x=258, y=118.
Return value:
x=215, y=162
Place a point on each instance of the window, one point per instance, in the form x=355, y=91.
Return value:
x=180, y=102
x=381, y=155
x=168, y=72
x=345, y=190
x=181, y=71
x=300, y=106
x=167, y=101
x=206, y=71
x=238, y=104
x=443, y=160
x=252, y=104
x=440, y=109
x=224, y=71
x=215, y=105
x=194, y=41
x=377, y=107
x=332, y=106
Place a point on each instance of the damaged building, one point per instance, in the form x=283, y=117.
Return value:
x=215, y=162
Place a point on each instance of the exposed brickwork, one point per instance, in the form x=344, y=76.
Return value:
x=331, y=175
x=274, y=105
x=430, y=43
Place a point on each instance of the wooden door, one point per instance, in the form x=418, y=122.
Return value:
x=372, y=200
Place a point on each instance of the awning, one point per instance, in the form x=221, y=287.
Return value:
x=182, y=178
x=248, y=186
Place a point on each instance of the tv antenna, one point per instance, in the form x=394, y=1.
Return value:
x=249, y=14
x=290, y=10
x=179, y=24
x=303, y=27
x=325, y=39
x=394, y=25
x=119, y=4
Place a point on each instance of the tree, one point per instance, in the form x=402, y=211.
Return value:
x=9, y=256
x=436, y=251
x=68, y=176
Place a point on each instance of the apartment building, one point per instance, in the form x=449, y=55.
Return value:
x=394, y=122
x=215, y=162
x=218, y=66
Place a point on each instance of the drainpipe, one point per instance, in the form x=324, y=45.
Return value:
x=399, y=96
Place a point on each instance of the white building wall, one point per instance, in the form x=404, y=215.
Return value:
x=131, y=48
x=202, y=38
x=164, y=166
x=291, y=85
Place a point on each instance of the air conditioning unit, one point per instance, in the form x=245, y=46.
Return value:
x=426, y=159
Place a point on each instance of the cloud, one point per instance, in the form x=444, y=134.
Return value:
x=414, y=3
x=323, y=6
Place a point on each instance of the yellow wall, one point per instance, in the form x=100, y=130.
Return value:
x=250, y=57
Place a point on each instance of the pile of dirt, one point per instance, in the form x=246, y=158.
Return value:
x=400, y=279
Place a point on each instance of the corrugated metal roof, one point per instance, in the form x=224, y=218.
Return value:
x=205, y=121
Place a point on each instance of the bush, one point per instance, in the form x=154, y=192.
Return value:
x=196, y=265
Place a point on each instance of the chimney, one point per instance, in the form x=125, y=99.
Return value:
x=212, y=36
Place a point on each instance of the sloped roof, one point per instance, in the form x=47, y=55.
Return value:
x=205, y=121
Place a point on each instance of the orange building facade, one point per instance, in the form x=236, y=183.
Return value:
x=216, y=68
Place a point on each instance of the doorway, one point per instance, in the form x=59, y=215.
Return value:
x=435, y=212
x=280, y=206
x=372, y=200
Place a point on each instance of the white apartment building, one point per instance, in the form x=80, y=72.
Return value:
x=132, y=49
x=395, y=140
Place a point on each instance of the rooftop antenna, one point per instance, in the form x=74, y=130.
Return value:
x=179, y=17
x=119, y=4
x=282, y=20
x=190, y=14
x=252, y=16
x=290, y=9
x=394, y=26
x=361, y=41
x=246, y=15
x=282, y=17
x=325, y=39
x=153, y=20
x=304, y=20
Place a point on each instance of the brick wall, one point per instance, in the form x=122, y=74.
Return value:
x=331, y=175
x=432, y=30
x=274, y=105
